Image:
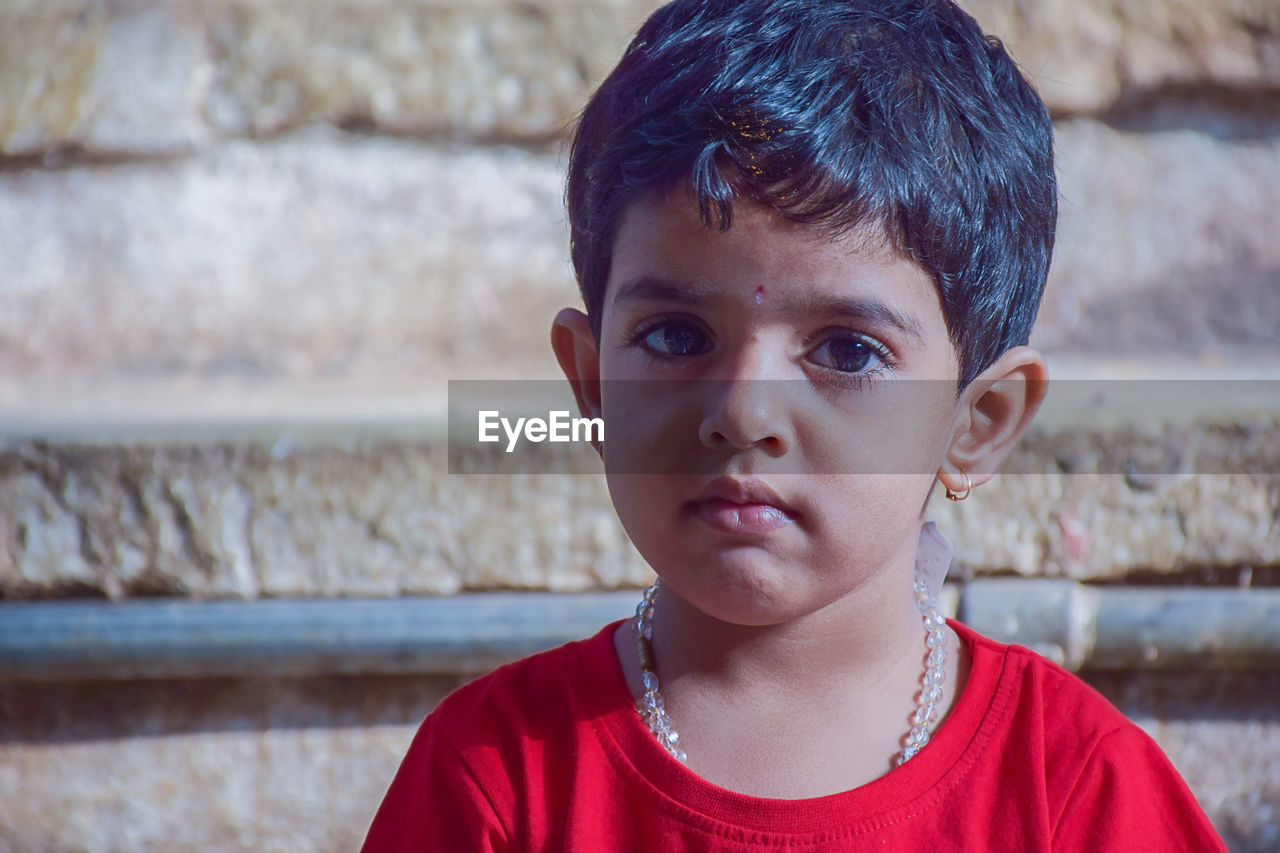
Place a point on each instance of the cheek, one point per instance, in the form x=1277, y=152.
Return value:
x=650, y=448
x=870, y=505
x=867, y=519
x=651, y=428
x=644, y=504
x=898, y=430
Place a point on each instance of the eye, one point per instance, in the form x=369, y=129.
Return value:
x=848, y=353
x=674, y=338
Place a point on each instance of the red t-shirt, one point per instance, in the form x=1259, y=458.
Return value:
x=549, y=753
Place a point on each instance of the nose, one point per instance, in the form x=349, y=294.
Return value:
x=747, y=410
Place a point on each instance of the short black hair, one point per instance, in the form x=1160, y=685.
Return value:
x=839, y=113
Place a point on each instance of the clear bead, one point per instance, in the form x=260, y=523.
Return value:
x=918, y=735
x=679, y=755
x=650, y=681
x=909, y=752
x=937, y=657
x=934, y=676
x=937, y=639
x=925, y=714
x=932, y=694
x=933, y=621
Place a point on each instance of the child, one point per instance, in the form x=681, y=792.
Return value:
x=847, y=195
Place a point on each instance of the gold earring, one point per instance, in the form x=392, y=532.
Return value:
x=959, y=496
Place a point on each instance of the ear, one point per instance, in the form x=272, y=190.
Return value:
x=579, y=356
x=995, y=409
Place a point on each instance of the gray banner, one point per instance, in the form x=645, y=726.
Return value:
x=1134, y=428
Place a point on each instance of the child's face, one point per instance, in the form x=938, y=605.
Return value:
x=765, y=508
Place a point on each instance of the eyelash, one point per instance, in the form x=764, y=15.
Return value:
x=845, y=379
x=840, y=378
x=637, y=338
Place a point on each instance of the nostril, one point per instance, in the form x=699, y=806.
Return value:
x=772, y=445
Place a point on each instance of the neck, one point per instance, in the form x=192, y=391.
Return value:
x=850, y=645
x=831, y=688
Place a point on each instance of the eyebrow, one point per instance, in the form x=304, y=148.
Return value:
x=868, y=310
x=871, y=311
x=659, y=290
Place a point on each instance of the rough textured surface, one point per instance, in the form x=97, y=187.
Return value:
x=1092, y=504
x=147, y=76
x=251, y=520
x=385, y=518
x=215, y=68
x=221, y=765
x=323, y=255
x=1166, y=240
x=501, y=70
x=118, y=78
x=1090, y=55
x=226, y=765
x=329, y=256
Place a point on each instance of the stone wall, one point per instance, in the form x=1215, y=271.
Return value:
x=247, y=241
x=384, y=517
x=369, y=191
x=141, y=77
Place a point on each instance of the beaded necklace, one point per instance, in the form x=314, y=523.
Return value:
x=654, y=713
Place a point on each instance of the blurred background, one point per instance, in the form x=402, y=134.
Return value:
x=246, y=243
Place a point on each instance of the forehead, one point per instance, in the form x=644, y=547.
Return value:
x=662, y=240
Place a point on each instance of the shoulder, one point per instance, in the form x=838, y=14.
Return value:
x=531, y=693
x=1043, y=721
x=1107, y=785
x=1035, y=694
x=477, y=765
x=1127, y=795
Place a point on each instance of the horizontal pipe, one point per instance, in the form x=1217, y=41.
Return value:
x=146, y=638
x=1122, y=628
x=1081, y=627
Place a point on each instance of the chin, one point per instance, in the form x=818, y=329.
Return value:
x=742, y=590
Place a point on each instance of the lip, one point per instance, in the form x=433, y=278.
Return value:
x=741, y=507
